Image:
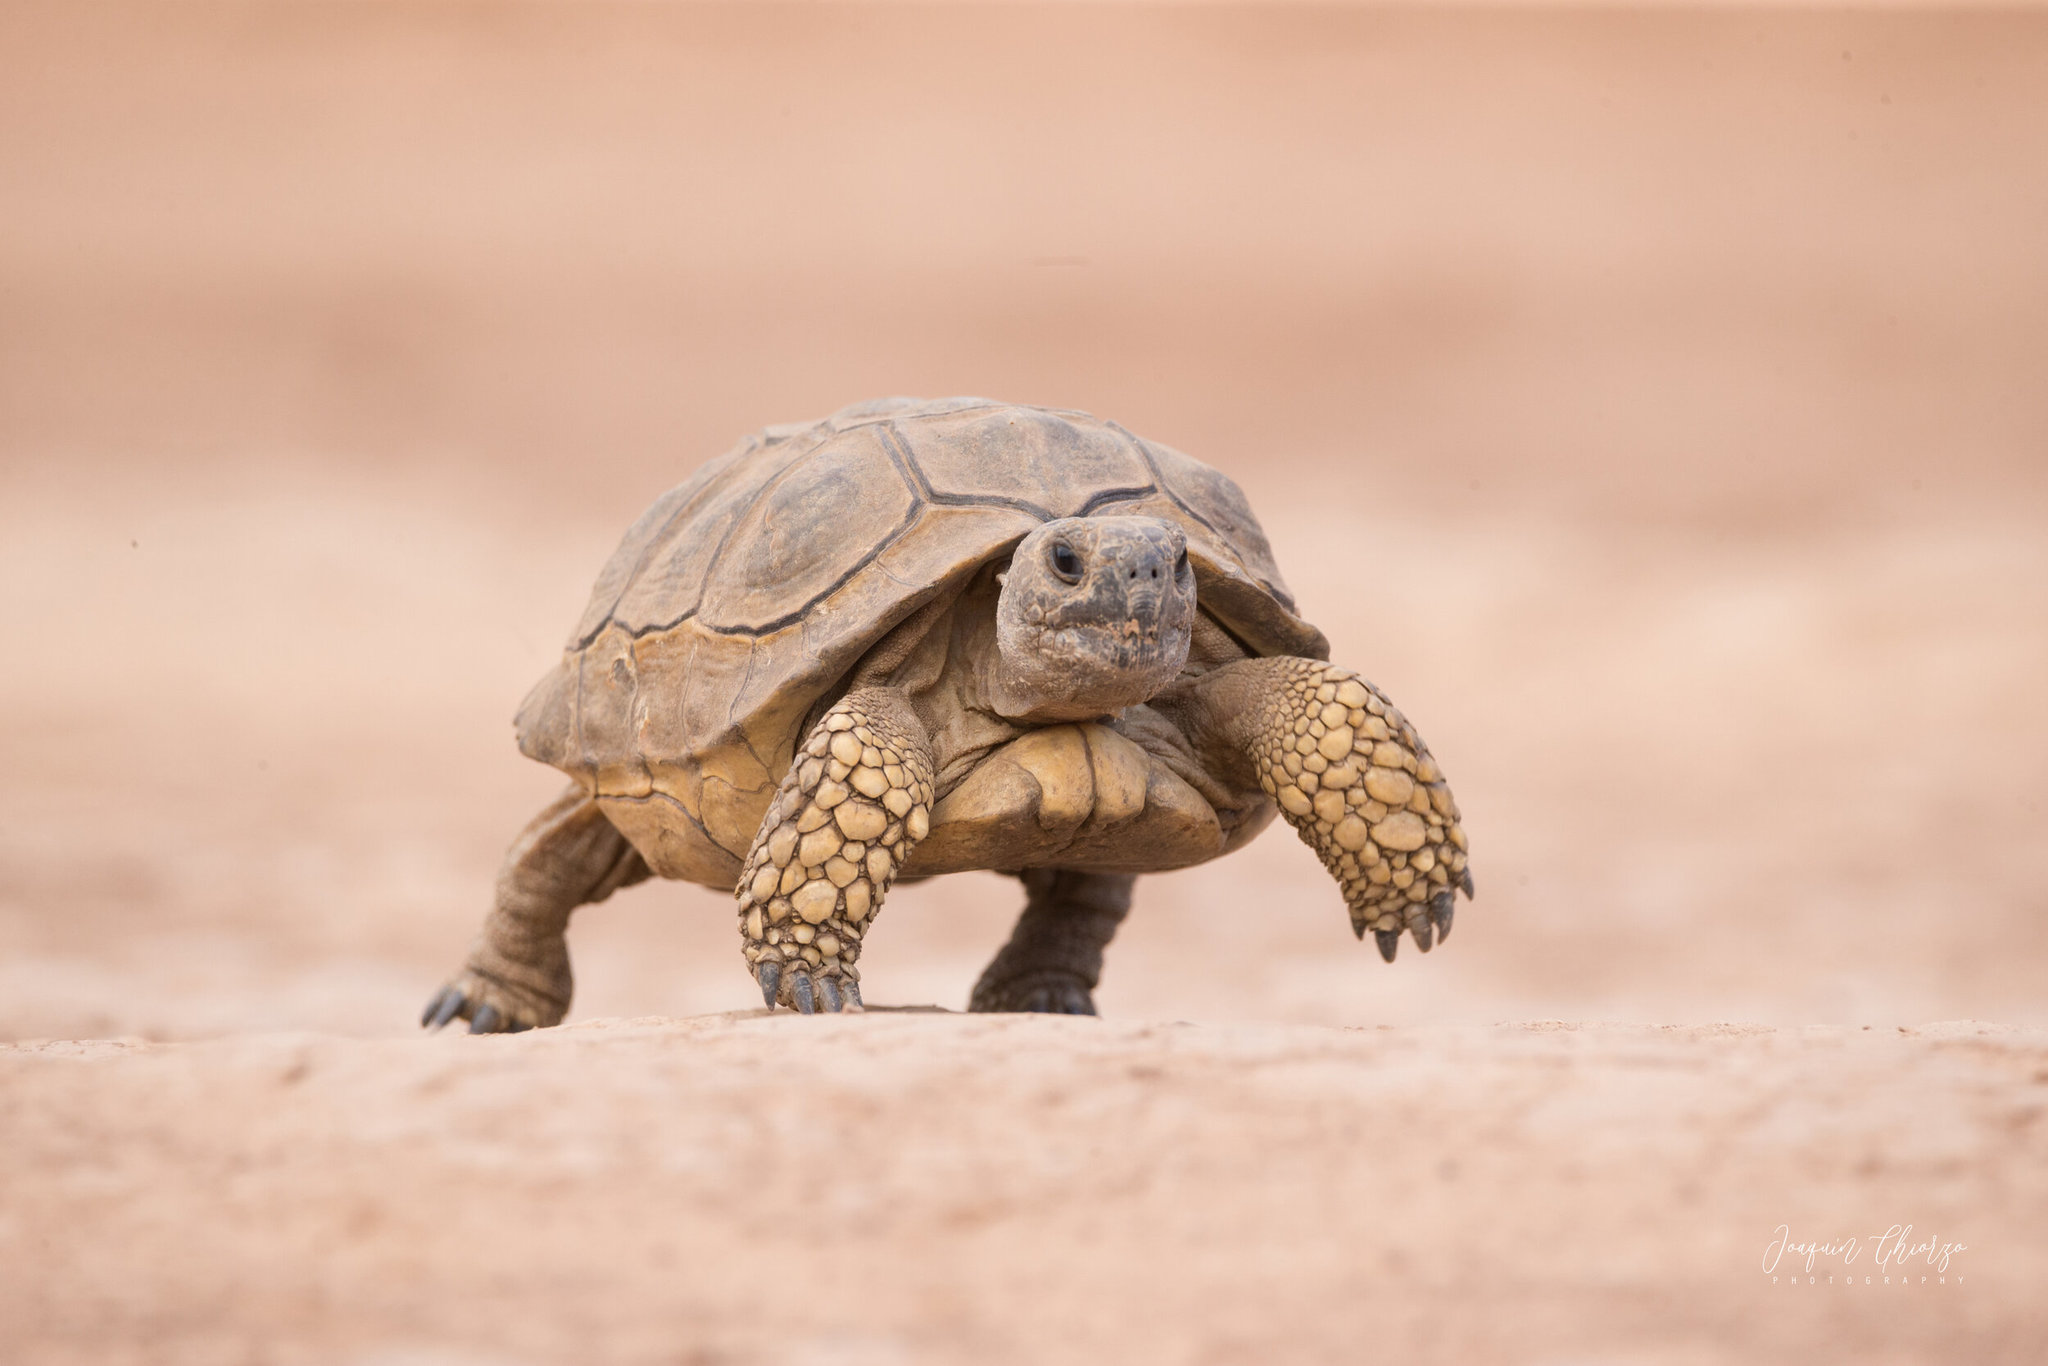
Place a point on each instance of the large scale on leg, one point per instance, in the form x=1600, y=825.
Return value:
x=922, y=637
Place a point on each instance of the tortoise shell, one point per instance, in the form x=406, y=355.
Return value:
x=744, y=597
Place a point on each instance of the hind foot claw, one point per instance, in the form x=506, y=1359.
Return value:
x=490, y=1006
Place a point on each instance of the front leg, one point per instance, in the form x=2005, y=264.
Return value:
x=1350, y=775
x=853, y=805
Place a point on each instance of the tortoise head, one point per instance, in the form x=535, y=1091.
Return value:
x=1094, y=616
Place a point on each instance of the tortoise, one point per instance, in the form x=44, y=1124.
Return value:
x=921, y=637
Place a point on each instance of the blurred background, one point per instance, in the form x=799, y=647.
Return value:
x=1650, y=400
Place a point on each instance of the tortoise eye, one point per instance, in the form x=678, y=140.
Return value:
x=1065, y=562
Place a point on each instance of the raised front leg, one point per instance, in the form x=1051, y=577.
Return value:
x=518, y=975
x=852, y=807
x=1054, y=957
x=1350, y=775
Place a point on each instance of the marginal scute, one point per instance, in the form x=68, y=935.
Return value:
x=1220, y=506
x=673, y=845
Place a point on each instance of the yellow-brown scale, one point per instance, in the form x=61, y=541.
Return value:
x=1351, y=775
x=854, y=804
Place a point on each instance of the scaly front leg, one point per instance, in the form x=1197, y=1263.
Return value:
x=854, y=804
x=1350, y=775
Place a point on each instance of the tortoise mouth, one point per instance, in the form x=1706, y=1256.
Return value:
x=1133, y=645
x=1080, y=672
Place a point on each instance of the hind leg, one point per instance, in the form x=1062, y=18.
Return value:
x=517, y=976
x=1054, y=957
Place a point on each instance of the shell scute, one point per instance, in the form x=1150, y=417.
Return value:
x=806, y=532
x=661, y=566
x=1044, y=464
x=1214, y=500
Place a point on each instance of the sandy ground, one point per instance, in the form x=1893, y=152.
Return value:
x=1648, y=401
x=920, y=1187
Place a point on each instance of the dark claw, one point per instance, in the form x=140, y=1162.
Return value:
x=1037, y=1001
x=1358, y=929
x=485, y=1021
x=1078, y=1004
x=442, y=1009
x=828, y=994
x=1465, y=881
x=1440, y=911
x=517, y=1027
x=1424, y=936
x=770, y=975
x=1390, y=943
x=800, y=992
x=853, y=995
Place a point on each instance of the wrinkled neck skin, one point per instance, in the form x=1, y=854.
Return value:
x=1094, y=615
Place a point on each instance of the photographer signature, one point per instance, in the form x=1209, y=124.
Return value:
x=1892, y=1248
